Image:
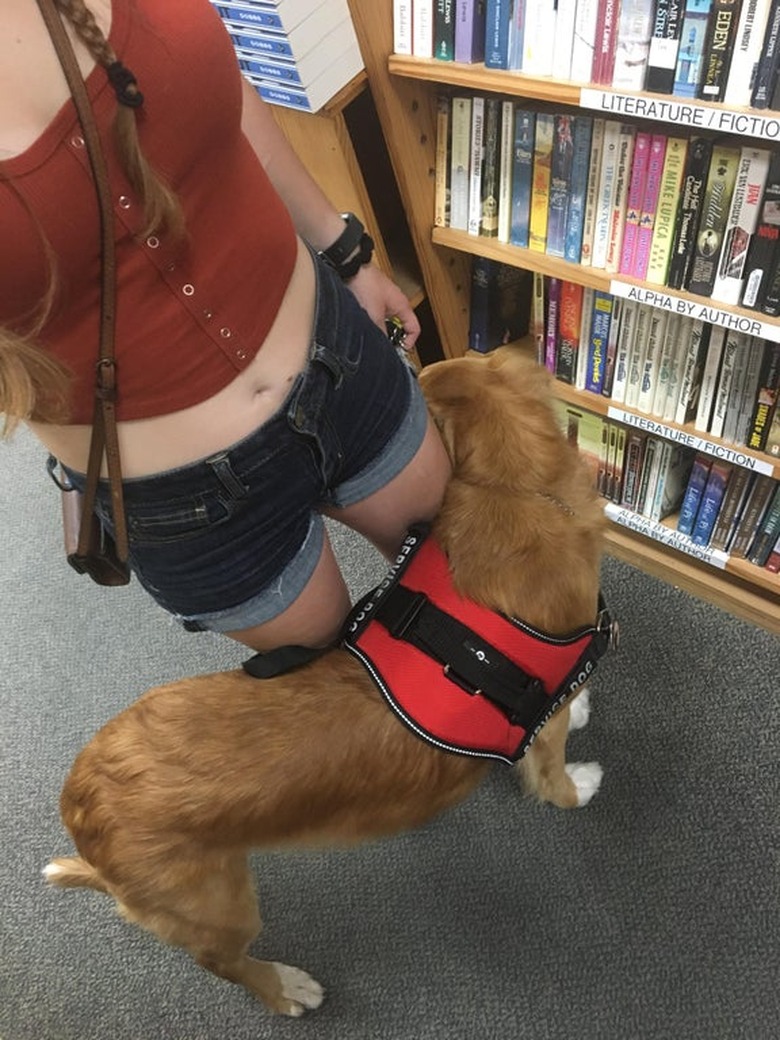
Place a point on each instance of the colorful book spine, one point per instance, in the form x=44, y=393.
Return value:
x=605, y=42
x=591, y=196
x=664, y=44
x=737, y=488
x=560, y=184
x=766, y=397
x=711, y=500
x=666, y=211
x=688, y=72
x=718, y=45
x=689, y=211
x=581, y=374
x=470, y=31
x=620, y=203
x=599, y=334
x=569, y=331
x=697, y=481
x=582, y=127
x=612, y=345
x=540, y=185
x=741, y=224
x=441, y=213
x=636, y=190
x=721, y=179
x=644, y=236
x=488, y=217
x=632, y=52
x=522, y=167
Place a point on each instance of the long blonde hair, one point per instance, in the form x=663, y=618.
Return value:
x=33, y=385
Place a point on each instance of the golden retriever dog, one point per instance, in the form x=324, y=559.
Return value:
x=168, y=800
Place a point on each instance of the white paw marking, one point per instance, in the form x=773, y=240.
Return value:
x=579, y=710
x=586, y=777
x=299, y=988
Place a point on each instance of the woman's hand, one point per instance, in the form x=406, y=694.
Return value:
x=381, y=299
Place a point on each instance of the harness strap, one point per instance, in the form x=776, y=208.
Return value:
x=470, y=661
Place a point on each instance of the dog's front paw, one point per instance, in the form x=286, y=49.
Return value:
x=586, y=777
x=300, y=992
x=579, y=710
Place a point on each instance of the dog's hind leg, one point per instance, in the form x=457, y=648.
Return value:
x=546, y=774
x=211, y=911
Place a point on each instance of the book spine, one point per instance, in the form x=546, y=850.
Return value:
x=591, y=196
x=766, y=71
x=488, y=217
x=714, y=215
x=584, y=42
x=624, y=342
x=564, y=38
x=736, y=490
x=753, y=514
x=709, y=381
x=632, y=52
x=552, y=323
x=648, y=377
x=741, y=224
x=569, y=331
x=599, y=334
x=620, y=203
x=697, y=481
x=538, y=316
x=711, y=500
x=607, y=18
x=648, y=474
x=522, y=166
x=635, y=448
x=690, y=52
x=476, y=160
x=516, y=35
x=749, y=391
x=666, y=211
x=747, y=52
x=766, y=397
x=732, y=348
x=636, y=356
x=560, y=184
x=540, y=22
x=460, y=159
x=606, y=193
x=441, y=213
x=718, y=45
x=676, y=370
x=765, y=537
x=644, y=235
x=443, y=30
x=612, y=345
x=689, y=211
x=479, y=304
x=402, y=26
x=497, y=34
x=692, y=372
x=422, y=28
x=505, y=159
x=665, y=364
x=575, y=218
x=636, y=190
x=585, y=326
x=540, y=185
x=469, y=31
x=765, y=243
x=664, y=45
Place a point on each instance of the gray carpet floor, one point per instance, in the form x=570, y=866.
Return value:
x=650, y=914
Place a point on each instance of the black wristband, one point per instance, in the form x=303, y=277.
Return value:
x=346, y=243
x=363, y=256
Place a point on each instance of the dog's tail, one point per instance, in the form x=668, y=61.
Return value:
x=73, y=872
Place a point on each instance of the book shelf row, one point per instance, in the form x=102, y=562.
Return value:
x=695, y=215
x=718, y=50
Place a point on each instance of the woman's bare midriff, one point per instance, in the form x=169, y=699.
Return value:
x=153, y=445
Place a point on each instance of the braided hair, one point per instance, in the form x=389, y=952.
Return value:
x=33, y=384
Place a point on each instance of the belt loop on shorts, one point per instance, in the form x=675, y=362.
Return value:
x=223, y=471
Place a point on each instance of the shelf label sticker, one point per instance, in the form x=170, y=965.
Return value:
x=684, y=112
x=689, y=439
x=666, y=535
x=665, y=299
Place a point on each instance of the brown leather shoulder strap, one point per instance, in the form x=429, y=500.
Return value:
x=104, y=435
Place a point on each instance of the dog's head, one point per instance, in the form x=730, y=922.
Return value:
x=521, y=521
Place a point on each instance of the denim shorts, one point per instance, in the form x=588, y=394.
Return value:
x=231, y=541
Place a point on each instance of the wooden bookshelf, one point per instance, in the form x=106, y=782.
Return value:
x=405, y=91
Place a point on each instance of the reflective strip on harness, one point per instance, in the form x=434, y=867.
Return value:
x=464, y=678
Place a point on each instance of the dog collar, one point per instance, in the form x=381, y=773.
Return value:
x=465, y=678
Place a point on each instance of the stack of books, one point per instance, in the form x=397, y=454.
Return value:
x=296, y=53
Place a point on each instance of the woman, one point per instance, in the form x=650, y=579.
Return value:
x=255, y=392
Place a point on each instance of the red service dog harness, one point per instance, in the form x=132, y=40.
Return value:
x=462, y=677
